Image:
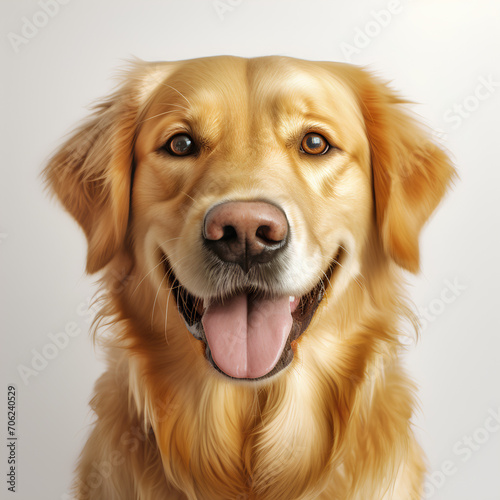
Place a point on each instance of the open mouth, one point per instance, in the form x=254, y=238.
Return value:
x=249, y=335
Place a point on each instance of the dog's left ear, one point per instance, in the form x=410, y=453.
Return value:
x=91, y=172
x=410, y=172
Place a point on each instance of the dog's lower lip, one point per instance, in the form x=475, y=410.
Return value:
x=302, y=310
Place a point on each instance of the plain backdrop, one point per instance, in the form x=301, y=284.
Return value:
x=441, y=54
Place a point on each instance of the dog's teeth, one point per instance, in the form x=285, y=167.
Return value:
x=292, y=298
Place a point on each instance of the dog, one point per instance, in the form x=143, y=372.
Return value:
x=252, y=220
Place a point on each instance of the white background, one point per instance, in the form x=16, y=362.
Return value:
x=435, y=52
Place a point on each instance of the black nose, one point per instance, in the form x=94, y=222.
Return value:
x=245, y=232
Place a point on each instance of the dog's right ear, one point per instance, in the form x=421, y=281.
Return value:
x=411, y=172
x=91, y=173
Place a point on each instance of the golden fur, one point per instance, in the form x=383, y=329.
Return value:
x=333, y=425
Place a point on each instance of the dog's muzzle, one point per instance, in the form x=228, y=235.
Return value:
x=248, y=327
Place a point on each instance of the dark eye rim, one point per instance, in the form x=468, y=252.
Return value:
x=328, y=146
x=167, y=147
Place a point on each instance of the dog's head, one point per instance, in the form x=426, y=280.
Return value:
x=250, y=189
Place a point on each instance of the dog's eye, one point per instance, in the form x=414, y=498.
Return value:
x=314, y=144
x=180, y=145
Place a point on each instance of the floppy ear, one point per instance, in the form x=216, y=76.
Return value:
x=410, y=172
x=91, y=172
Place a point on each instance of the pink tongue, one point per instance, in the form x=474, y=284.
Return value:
x=247, y=337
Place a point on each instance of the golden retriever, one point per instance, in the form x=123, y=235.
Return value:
x=251, y=218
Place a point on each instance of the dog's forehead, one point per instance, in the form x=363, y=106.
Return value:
x=283, y=78
x=264, y=85
x=198, y=82
x=246, y=100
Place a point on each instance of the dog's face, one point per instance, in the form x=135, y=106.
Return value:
x=251, y=189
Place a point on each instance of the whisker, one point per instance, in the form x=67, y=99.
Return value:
x=354, y=277
x=159, y=114
x=180, y=93
x=166, y=314
x=190, y=197
x=168, y=240
x=187, y=83
x=156, y=297
x=167, y=275
x=161, y=262
x=173, y=264
x=173, y=104
x=348, y=253
x=327, y=278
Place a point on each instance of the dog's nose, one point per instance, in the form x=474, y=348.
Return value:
x=245, y=232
